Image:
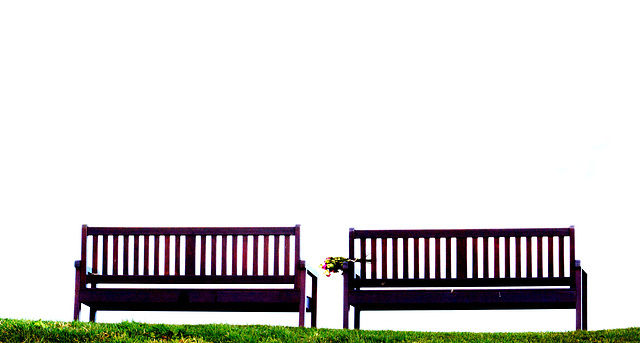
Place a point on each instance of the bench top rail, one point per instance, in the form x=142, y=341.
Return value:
x=463, y=258
x=187, y=255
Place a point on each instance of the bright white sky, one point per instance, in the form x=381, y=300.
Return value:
x=328, y=114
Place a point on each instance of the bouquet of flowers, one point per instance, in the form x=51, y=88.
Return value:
x=334, y=264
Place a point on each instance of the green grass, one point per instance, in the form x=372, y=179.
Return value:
x=12, y=330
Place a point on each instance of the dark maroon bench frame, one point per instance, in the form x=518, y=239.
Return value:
x=390, y=280
x=149, y=256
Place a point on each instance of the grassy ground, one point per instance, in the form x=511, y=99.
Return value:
x=12, y=330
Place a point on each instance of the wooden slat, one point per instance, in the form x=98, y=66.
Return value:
x=539, y=255
x=448, y=257
x=223, y=259
x=416, y=258
x=438, y=259
x=214, y=255
x=146, y=254
x=395, y=257
x=507, y=256
x=125, y=256
x=186, y=231
x=245, y=244
x=287, y=255
x=105, y=255
x=485, y=257
x=203, y=255
x=156, y=255
x=178, y=257
x=265, y=260
x=234, y=255
x=551, y=256
x=461, y=233
x=136, y=255
x=427, y=258
x=190, y=255
x=255, y=254
x=518, y=260
x=385, y=275
x=374, y=258
x=529, y=257
x=363, y=254
x=116, y=250
x=167, y=254
x=475, y=263
x=496, y=257
x=94, y=254
x=405, y=258
x=461, y=263
x=276, y=255
x=561, y=253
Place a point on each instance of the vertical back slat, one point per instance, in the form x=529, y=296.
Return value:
x=561, y=253
x=190, y=255
x=94, y=254
x=438, y=259
x=496, y=257
x=395, y=257
x=539, y=255
x=416, y=258
x=385, y=275
x=265, y=260
x=363, y=253
x=475, y=260
x=245, y=244
x=427, y=258
x=462, y=258
x=125, y=256
x=529, y=257
x=448, y=252
x=203, y=255
x=485, y=257
x=276, y=255
x=518, y=260
x=287, y=255
x=255, y=254
x=405, y=258
x=234, y=254
x=116, y=250
x=156, y=255
x=167, y=254
x=507, y=256
x=136, y=255
x=551, y=254
x=214, y=255
x=178, y=257
x=146, y=254
x=223, y=259
x=105, y=254
x=374, y=258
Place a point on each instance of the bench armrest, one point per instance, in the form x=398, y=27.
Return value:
x=309, y=270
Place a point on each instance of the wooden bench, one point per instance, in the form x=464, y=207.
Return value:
x=464, y=270
x=201, y=260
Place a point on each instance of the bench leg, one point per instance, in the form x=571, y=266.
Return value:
x=581, y=301
x=92, y=315
x=356, y=318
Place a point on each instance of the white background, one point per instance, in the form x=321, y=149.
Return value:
x=329, y=114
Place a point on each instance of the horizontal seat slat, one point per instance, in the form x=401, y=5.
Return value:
x=489, y=282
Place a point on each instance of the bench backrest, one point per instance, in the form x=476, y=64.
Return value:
x=200, y=255
x=463, y=258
